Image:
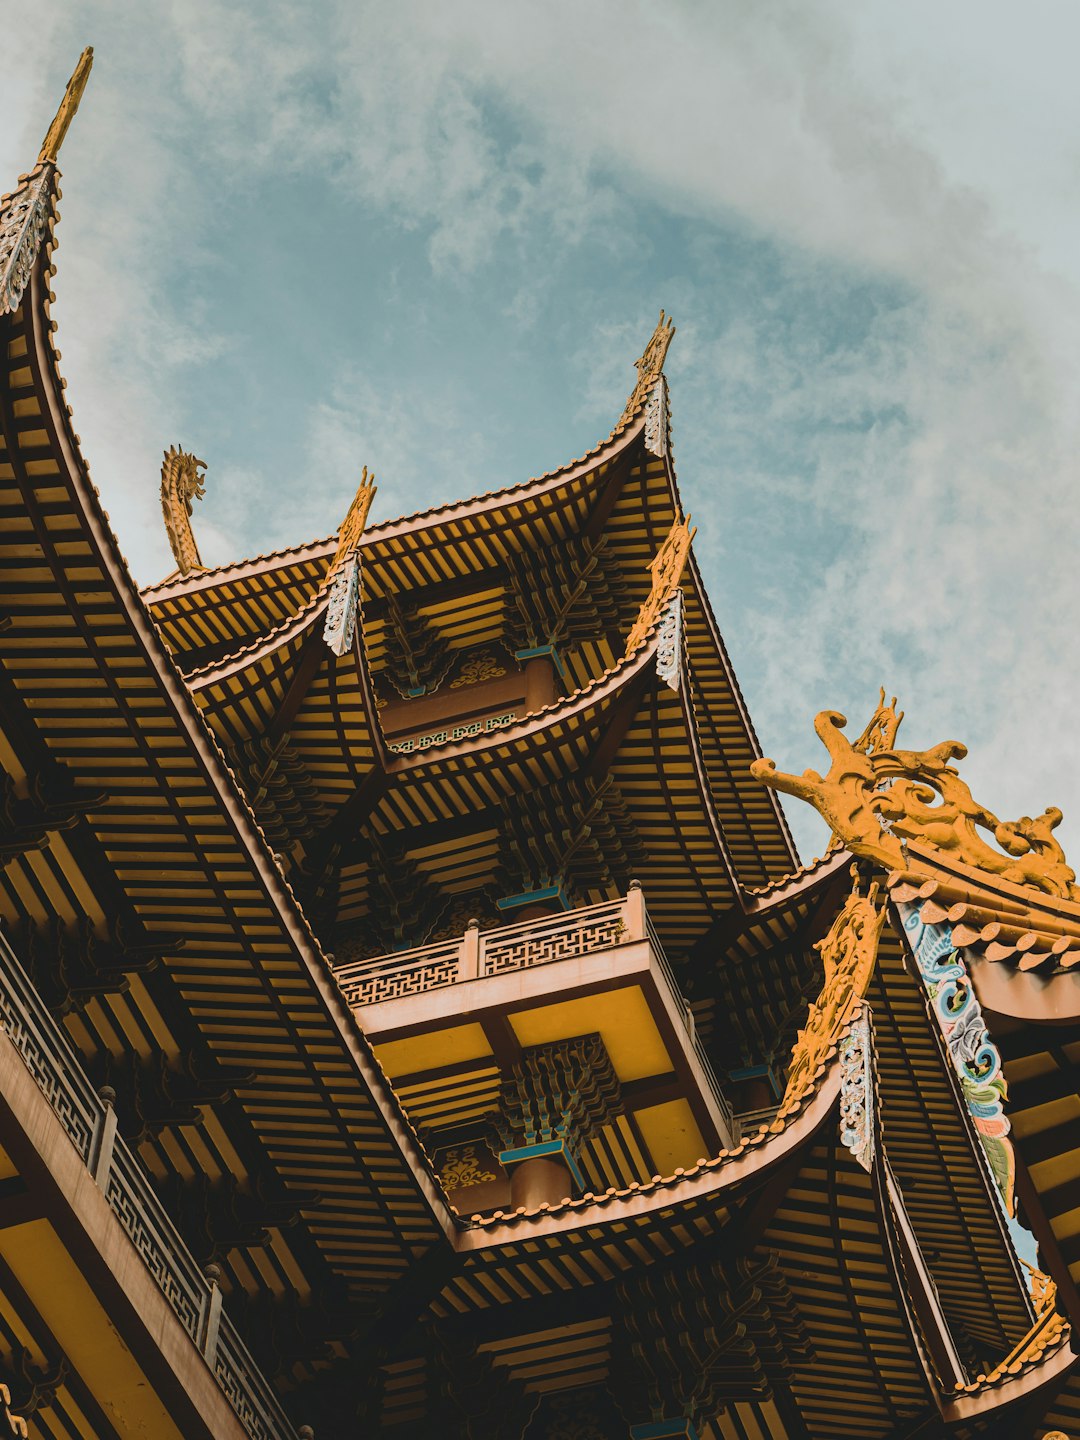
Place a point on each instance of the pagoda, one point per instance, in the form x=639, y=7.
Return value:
x=415, y=1020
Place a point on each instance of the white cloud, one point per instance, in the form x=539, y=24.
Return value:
x=938, y=445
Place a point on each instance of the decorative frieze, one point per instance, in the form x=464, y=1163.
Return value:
x=857, y=1091
x=465, y=730
x=669, y=643
x=578, y=932
x=975, y=1057
x=23, y=223
x=656, y=419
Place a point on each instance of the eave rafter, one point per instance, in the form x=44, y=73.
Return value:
x=623, y=495
x=90, y=596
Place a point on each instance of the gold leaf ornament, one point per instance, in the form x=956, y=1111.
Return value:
x=667, y=568
x=876, y=798
x=462, y=1167
x=849, y=953
x=181, y=485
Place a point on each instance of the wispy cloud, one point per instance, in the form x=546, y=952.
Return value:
x=863, y=237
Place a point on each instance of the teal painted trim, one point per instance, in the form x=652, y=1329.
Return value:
x=509, y=1158
x=759, y=1072
x=533, y=897
x=537, y=651
x=680, y=1429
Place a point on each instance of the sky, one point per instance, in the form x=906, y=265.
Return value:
x=299, y=238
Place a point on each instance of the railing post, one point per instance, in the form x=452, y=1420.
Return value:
x=101, y=1147
x=210, y=1317
x=469, y=965
x=635, y=911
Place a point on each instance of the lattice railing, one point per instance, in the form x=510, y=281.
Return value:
x=244, y=1385
x=366, y=982
x=520, y=947
x=561, y=937
x=476, y=954
x=90, y=1121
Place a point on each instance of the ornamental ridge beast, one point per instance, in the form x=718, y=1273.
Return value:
x=876, y=798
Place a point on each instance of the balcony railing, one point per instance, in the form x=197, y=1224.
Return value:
x=478, y=954
x=90, y=1122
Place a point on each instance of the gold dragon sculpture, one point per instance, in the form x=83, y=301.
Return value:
x=876, y=798
x=181, y=484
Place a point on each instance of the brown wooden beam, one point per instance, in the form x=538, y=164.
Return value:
x=312, y=654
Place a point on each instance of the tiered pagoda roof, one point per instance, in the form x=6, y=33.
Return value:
x=476, y=583
x=225, y=845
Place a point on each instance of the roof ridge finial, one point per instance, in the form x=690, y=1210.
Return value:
x=649, y=367
x=181, y=483
x=54, y=137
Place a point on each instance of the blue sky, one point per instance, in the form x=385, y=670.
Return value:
x=432, y=239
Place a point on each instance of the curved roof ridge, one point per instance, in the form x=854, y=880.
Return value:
x=628, y=426
x=796, y=882
x=624, y=669
x=816, y=1101
x=308, y=550
x=261, y=645
x=219, y=775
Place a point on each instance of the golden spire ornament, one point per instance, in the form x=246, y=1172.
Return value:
x=54, y=138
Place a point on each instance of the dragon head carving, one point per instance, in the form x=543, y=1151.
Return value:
x=182, y=477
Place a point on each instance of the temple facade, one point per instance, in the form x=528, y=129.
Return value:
x=415, y=1020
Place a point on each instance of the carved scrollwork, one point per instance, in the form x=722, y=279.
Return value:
x=857, y=1092
x=477, y=668
x=342, y=608
x=669, y=643
x=849, y=953
x=876, y=798
x=649, y=367
x=667, y=567
x=461, y=1167
x=352, y=527
x=23, y=222
x=656, y=419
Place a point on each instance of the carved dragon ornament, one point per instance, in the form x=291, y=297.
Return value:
x=876, y=798
x=181, y=484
